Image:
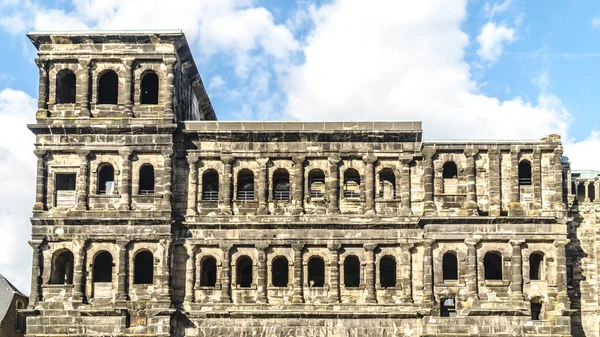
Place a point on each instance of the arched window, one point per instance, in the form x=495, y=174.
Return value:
x=351, y=183
x=281, y=185
x=580, y=191
x=65, y=87
x=535, y=266
x=316, y=272
x=103, y=265
x=244, y=272
x=62, y=268
x=106, y=179
x=492, y=265
x=279, y=272
x=210, y=185
x=387, y=184
x=536, y=308
x=316, y=183
x=149, y=88
x=245, y=185
x=387, y=271
x=208, y=272
x=351, y=271
x=143, y=270
x=108, y=88
x=449, y=266
x=524, y=173
x=449, y=170
x=146, y=179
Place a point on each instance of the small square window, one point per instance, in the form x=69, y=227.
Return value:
x=65, y=181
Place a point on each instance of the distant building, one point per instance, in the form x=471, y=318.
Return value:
x=12, y=323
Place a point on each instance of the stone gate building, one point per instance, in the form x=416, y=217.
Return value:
x=152, y=218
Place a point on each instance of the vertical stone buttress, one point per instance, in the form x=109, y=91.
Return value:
x=263, y=185
x=226, y=273
x=78, y=271
x=429, y=205
x=371, y=296
x=596, y=190
x=192, y=199
x=166, y=180
x=42, y=111
x=225, y=188
x=298, y=196
x=164, y=291
x=334, y=186
x=558, y=201
x=83, y=89
x=495, y=191
x=334, y=271
x=536, y=178
x=369, y=183
x=82, y=180
x=190, y=272
x=36, y=273
x=562, y=297
x=40, y=184
x=125, y=188
x=122, y=271
x=515, y=201
x=170, y=64
x=427, y=272
x=406, y=276
x=405, y=186
x=261, y=272
x=516, y=270
x=471, y=172
x=586, y=185
x=128, y=88
x=297, y=282
x=471, y=275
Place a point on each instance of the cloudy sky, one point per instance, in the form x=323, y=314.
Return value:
x=475, y=69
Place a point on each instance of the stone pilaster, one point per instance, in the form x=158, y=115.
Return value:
x=515, y=208
x=192, y=198
x=428, y=272
x=596, y=191
x=298, y=185
x=297, y=282
x=125, y=188
x=42, y=111
x=122, y=271
x=190, y=272
x=78, y=271
x=40, y=184
x=471, y=275
x=128, y=88
x=226, y=273
x=370, y=183
x=516, y=270
x=406, y=272
x=536, y=178
x=163, y=280
x=36, y=273
x=561, y=277
x=83, y=88
x=263, y=186
x=558, y=201
x=225, y=188
x=405, y=206
x=334, y=271
x=495, y=192
x=82, y=180
x=471, y=173
x=586, y=185
x=333, y=185
x=170, y=89
x=261, y=272
x=371, y=296
x=429, y=204
x=166, y=181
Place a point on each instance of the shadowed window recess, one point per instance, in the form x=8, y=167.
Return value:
x=210, y=185
x=62, y=268
x=387, y=272
x=351, y=183
x=524, y=173
x=492, y=265
x=65, y=87
x=143, y=268
x=316, y=272
x=351, y=271
x=281, y=185
x=450, y=266
x=387, y=184
x=316, y=183
x=279, y=272
x=108, y=88
x=244, y=272
x=245, y=185
x=146, y=179
x=536, y=266
x=208, y=272
x=103, y=265
x=149, y=88
x=106, y=179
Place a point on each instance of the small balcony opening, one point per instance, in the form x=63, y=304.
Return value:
x=245, y=185
x=535, y=266
x=102, y=269
x=65, y=189
x=149, y=88
x=281, y=185
x=210, y=185
x=106, y=179
x=146, y=179
x=524, y=173
x=450, y=266
x=387, y=184
x=387, y=272
x=208, y=272
x=280, y=271
x=492, y=265
x=316, y=183
x=143, y=271
x=65, y=87
x=316, y=272
x=244, y=272
x=62, y=268
x=351, y=183
x=351, y=271
x=448, y=307
x=108, y=88
x=449, y=170
x=536, y=309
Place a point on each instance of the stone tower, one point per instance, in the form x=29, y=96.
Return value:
x=151, y=218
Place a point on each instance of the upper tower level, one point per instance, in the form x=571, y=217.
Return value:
x=118, y=78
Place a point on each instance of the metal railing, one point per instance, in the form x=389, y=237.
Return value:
x=383, y=195
x=245, y=195
x=351, y=194
x=146, y=192
x=281, y=195
x=317, y=194
x=210, y=195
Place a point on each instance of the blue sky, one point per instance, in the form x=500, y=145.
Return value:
x=479, y=69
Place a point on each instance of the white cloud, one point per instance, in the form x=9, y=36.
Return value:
x=583, y=155
x=496, y=8
x=595, y=22
x=492, y=40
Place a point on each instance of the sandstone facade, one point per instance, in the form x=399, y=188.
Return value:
x=152, y=218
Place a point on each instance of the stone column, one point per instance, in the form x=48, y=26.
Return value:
x=261, y=273
x=82, y=180
x=42, y=111
x=192, y=199
x=122, y=271
x=298, y=195
x=334, y=271
x=170, y=89
x=226, y=273
x=263, y=186
x=536, y=178
x=561, y=276
x=371, y=296
x=495, y=191
x=405, y=186
x=558, y=201
x=166, y=181
x=297, y=290
x=369, y=183
x=36, y=273
x=596, y=191
x=586, y=185
x=128, y=88
x=40, y=184
x=83, y=88
x=190, y=272
x=429, y=204
x=471, y=173
x=406, y=277
x=427, y=272
x=516, y=270
x=125, y=188
x=471, y=274
x=78, y=271
x=333, y=185
x=225, y=187
x=164, y=292
x=515, y=201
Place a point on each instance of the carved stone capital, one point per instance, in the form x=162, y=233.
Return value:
x=167, y=153
x=369, y=159
x=192, y=158
x=298, y=159
x=41, y=64
x=127, y=62
x=516, y=243
x=261, y=246
x=262, y=161
x=40, y=154
x=493, y=152
x=471, y=242
x=35, y=244
x=334, y=160
x=333, y=246
x=84, y=62
x=123, y=243
x=169, y=61
x=470, y=152
x=558, y=152
x=369, y=246
x=225, y=247
x=83, y=154
x=561, y=242
x=125, y=154
x=428, y=152
x=227, y=159
x=405, y=160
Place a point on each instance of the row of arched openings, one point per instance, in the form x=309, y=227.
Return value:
x=579, y=189
x=102, y=268
x=450, y=171
x=108, y=87
x=106, y=179
x=492, y=265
